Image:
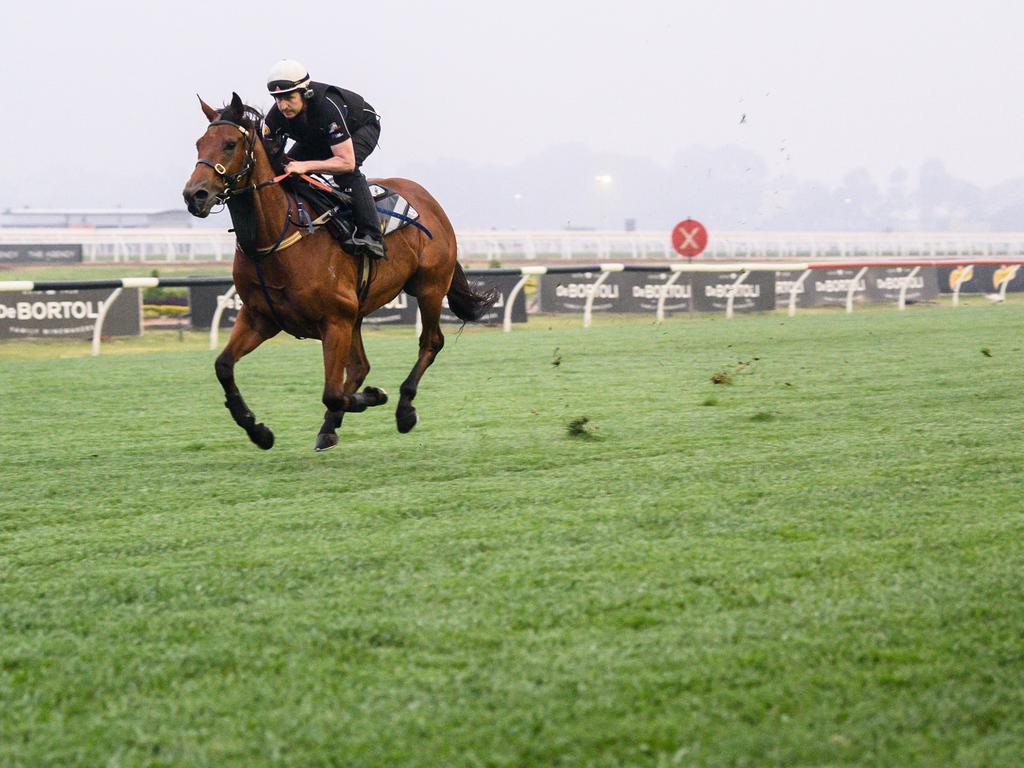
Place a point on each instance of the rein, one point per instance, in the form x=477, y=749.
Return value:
x=231, y=179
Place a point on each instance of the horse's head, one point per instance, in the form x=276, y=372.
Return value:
x=226, y=156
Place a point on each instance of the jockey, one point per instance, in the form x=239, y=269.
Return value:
x=334, y=130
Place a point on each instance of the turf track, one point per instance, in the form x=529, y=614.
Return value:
x=817, y=564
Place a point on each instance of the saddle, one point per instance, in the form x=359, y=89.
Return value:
x=320, y=208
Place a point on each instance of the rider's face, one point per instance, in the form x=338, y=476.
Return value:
x=289, y=104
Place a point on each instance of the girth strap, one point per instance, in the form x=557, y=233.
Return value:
x=365, y=267
x=287, y=242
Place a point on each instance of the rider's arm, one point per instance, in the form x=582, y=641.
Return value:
x=342, y=160
x=343, y=154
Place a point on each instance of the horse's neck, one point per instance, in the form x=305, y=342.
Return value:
x=260, y=217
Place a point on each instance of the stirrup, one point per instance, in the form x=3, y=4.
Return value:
x=368, y=246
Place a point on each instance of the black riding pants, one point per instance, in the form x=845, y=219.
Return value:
x=364, y=141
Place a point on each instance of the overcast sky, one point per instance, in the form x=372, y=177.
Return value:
x=101, y=108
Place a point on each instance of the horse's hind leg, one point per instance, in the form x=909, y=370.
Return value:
x=355, y=374
x=431, y=342
x=249, y=332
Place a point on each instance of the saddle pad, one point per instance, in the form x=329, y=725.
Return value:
x=389, y=202
x=393, y=210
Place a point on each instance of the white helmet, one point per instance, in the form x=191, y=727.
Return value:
x=286, y=76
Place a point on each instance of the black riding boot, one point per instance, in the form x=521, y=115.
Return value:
x=367, y=239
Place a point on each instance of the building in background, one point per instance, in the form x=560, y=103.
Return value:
x=95, y=218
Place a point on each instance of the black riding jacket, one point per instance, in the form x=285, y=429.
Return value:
x=330, y=117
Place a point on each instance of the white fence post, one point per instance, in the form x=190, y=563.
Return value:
x=732, y=293
x=222, y=303
x=795, y=289
x=853, y=288
x=606, y=271
x=97, y=330
x=1006, y=283
x=678, y=272
x=906, y=284
x=961, y=278
x=527, y=272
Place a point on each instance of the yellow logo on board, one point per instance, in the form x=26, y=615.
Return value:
x=1004, y=275
x=961, y=275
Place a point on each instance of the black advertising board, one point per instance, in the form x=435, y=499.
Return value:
x=990, y=277
x=947, y=277
x=504, y=284
x=202, y=302
x=645, y=288
x=806, y=296
x=401, y=310
x=639, y=292
x=755, y=294
x=69, y=313
x=981, y=278
x=568, y=292
x=885, y=284
x=48, y=253
x=831, y=285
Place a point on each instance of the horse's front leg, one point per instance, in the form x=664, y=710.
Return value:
x=249, y=332
x=337, y=345
x=355, y=374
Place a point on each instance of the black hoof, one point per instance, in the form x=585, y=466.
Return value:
x=375, y=395
x=406, y=418
x=326, y=441
x=262, y=436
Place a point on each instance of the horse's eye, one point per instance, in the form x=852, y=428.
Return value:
x=230, y=145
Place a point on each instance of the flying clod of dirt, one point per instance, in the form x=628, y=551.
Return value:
x=742, y=368
x=578, y=428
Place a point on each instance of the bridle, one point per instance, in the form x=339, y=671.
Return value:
x=231, y=179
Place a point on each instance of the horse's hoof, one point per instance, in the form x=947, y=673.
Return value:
x=325, y=442
x=376, y=395
x=262, y=436
x=406, y=418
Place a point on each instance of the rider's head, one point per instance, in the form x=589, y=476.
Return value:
x=288, y=83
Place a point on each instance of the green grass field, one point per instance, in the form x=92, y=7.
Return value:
x=819, y=563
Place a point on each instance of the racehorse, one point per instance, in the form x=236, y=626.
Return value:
x=305, y=284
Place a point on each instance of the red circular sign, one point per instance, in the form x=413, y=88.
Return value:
x=689, y=238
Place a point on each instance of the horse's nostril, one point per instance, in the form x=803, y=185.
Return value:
x=200, y=194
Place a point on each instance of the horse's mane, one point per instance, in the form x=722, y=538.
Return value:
x=253, y=119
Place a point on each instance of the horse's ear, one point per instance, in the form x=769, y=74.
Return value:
x=211, y=113
x=236, y=103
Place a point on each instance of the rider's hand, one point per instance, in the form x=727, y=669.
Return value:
x=295, y=166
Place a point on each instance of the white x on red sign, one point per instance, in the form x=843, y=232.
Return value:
x=689, y=238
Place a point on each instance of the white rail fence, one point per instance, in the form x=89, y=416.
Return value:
x=143, y=245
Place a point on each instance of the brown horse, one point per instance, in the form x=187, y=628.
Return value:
x=306, y=285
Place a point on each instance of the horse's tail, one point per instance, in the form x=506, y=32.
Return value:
x=467, y=304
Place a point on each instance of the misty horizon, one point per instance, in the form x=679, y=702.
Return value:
x=784, y=114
